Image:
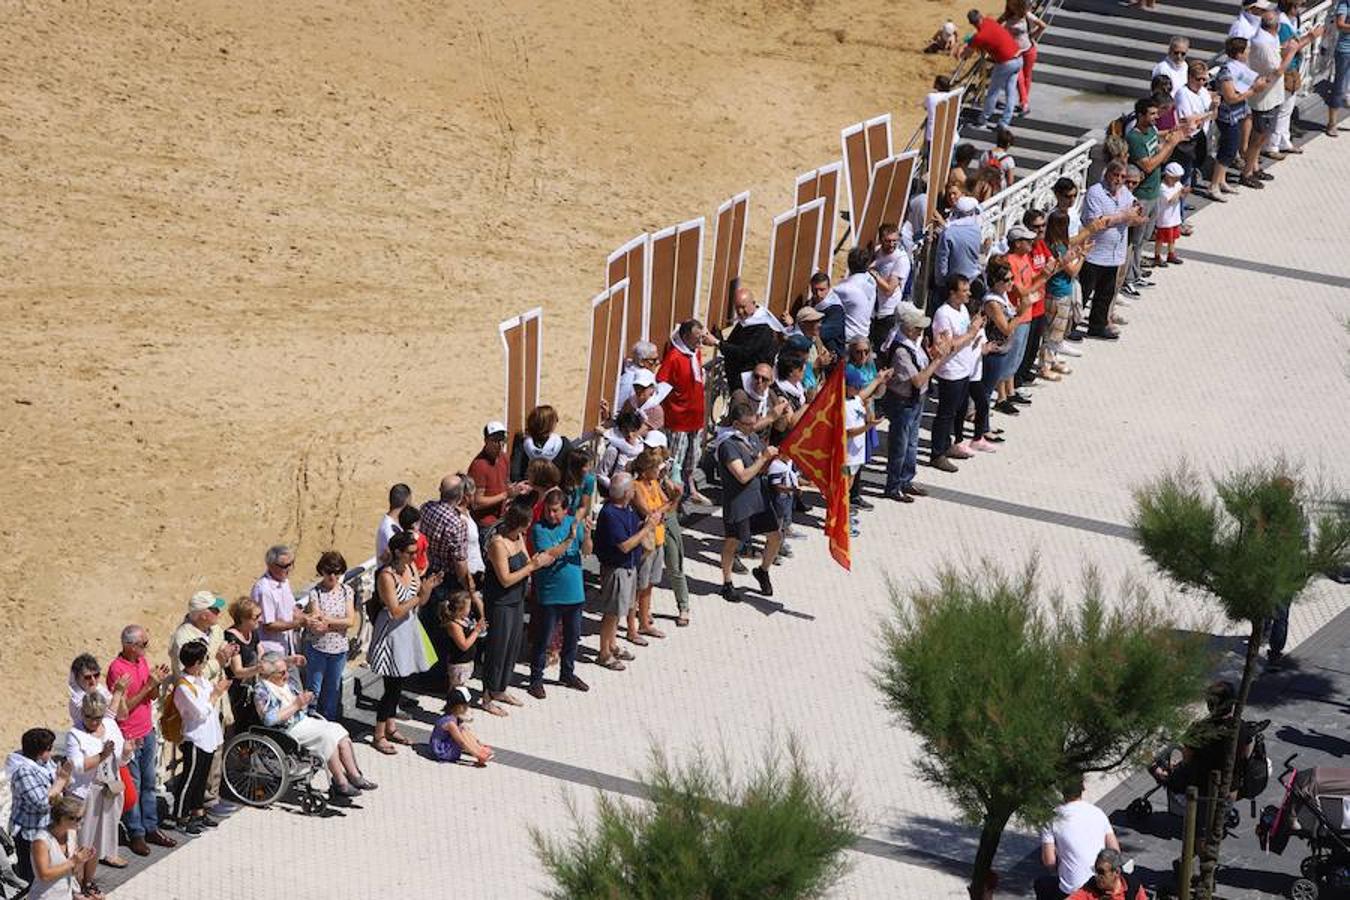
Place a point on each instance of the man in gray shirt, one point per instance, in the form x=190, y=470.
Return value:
x=1112, y=203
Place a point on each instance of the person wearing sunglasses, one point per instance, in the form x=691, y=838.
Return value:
x=332, y=614
x=86, y=678
x=281, y=621
x=55, y=858
x=1108, y=882
x=141, y=684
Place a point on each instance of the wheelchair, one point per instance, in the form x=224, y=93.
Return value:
x=262, y=765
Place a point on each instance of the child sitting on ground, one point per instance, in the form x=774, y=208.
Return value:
x=464, y=631
x=451, y=738
x=1165, y=234
x=944, y=40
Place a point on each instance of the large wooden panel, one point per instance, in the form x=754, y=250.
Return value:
x=823, y=184
x=864, y=145
x=630, y=261
x=887, y=196
x=946, y=118
x=522, y=341
x=688, y=272
x=793, y=249
x=661, y=294
x=728, y=255
x=606, y=353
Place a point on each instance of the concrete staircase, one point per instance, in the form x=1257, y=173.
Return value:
x=1094, y=61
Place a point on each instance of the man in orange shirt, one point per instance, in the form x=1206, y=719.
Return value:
x=1108, y=882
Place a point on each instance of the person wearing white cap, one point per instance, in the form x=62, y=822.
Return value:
x=958, y=249
x=912, y=366
x=645, y=356
x=491, y=471
x=1248, y=21
x=1168, y=229
x=645, y=398
x=202, y=623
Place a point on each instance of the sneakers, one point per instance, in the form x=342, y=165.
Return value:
x=536, y=690
x=960, y=451
x=1118, y=319
x=944, y=464
x=1130, y=290
x=860, y=503
x=1007, y=407
x=1020, y=398
x=1104, y=335
x=914, y=490
x=738, y=567
x=983, y=446
x=1066, y=350
x=1174, y=260
x=731, y=593
x=898, y=496
x=765, y=584
x=784, y=552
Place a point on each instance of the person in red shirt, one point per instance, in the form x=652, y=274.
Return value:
x=491, y=472
x=1108, y=882
x=997, y=43
x=141, y=820
x=1030, y=368
x=683, y=407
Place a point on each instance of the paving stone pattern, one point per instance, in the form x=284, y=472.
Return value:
x=1222, y=363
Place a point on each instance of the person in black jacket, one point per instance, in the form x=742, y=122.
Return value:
x=752, y=340
x=828, y=304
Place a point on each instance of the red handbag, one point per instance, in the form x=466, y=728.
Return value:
x=129, y=795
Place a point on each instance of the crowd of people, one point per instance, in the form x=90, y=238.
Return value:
x=489, y=573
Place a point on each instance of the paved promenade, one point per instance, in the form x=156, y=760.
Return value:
x=1241, y=352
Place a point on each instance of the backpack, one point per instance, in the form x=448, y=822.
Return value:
x=1254, y=770
x=170, y=719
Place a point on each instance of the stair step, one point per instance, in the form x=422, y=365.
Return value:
x=1046, y=127
x=1026, y=159
x=1061, y=35
x=1092, y=82
x=1202, y=41
x=1096, y=64
x=1226, y=7
x=1166, y=16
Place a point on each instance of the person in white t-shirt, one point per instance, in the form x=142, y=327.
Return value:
x=400, y=495
x=890, y=270
x=1070, y=844
x=858, y=294
x=953, y=376
x=857, y=420
x=1168, y=230
x=1173, y=65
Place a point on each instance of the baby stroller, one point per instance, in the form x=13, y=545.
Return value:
x=1316, y=809
x=1250, y=779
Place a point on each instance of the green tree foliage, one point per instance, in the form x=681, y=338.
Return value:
x=1252, y=543
x=1012, y=693
x=780, y=833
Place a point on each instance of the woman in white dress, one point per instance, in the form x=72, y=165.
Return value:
x=281, y=707
x=55, y=862
x=97, y=751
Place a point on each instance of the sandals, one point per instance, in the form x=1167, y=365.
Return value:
x=397, y=738
x=612, y=664
x=491, y=708
x=624, y=655
x=649, y=631
x=682, y=621
x=637, y=639
x=384, y=747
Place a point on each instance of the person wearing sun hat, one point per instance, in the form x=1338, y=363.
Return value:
x=912, y=367
x=1167, y=232
x=202, y=623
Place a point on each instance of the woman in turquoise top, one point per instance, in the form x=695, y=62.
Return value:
x=560, y=590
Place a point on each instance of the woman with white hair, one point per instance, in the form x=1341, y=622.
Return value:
x=96, y=751
x=281, y=707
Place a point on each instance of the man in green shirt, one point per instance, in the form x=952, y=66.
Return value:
x=1149, y=152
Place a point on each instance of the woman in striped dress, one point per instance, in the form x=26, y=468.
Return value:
x=399, y=646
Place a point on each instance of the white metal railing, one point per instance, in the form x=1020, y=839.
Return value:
x=1006, y=208
x=1318, y=57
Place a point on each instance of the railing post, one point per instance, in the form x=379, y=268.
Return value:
x=1187, y=845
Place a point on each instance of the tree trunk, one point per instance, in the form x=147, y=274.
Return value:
x=1209, y=850
x=990, y=835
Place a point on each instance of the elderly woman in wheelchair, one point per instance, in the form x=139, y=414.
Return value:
x=280, y=707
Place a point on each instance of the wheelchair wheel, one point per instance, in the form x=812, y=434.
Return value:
x=312, y=802
x=256, y=770
x=1139, y=808
x=1303, y=889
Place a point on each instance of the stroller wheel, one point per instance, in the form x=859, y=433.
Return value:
x=1303, y=889
x=1308, y=867
x=1139, y=808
